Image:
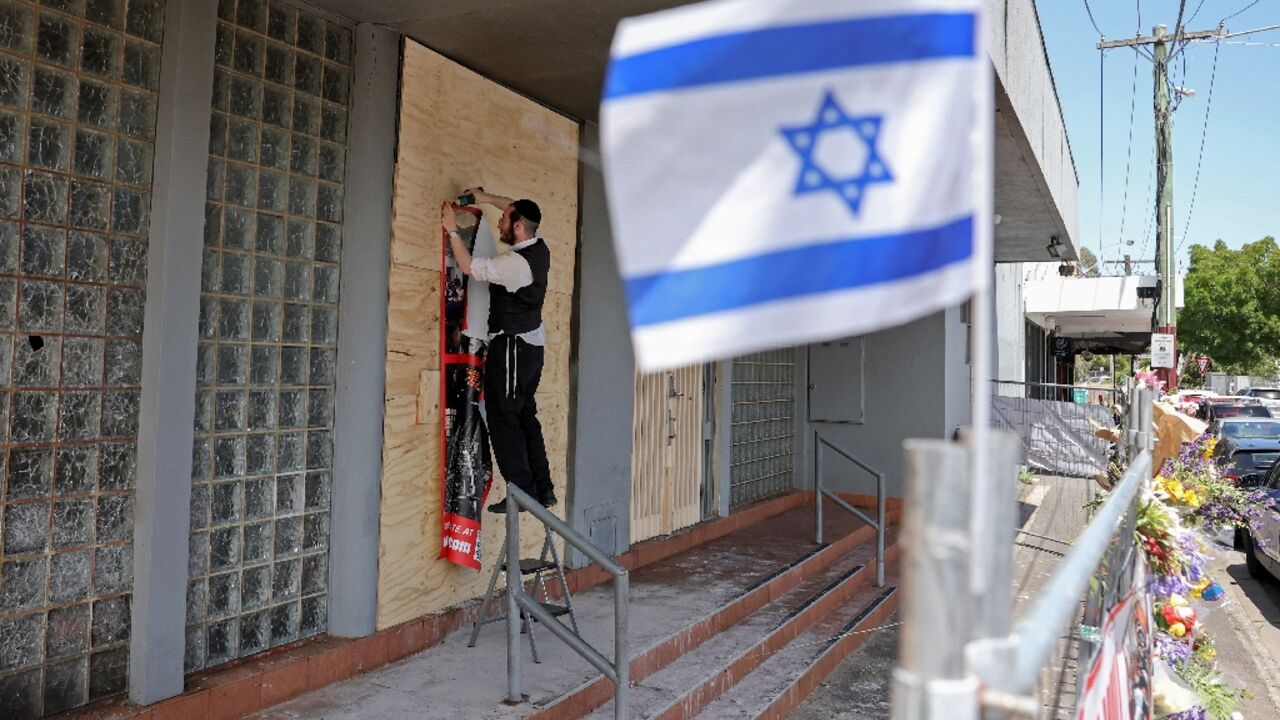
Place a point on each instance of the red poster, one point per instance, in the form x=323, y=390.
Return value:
x=467, y=466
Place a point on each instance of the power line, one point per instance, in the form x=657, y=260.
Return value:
x=1091, y=19
x=1246, y=7
x=1102, y=145
x=1133, y=97
x=1197, y=12
x=1213, y=74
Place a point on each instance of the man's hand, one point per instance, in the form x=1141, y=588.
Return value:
x=447, y=218
x=481, y=196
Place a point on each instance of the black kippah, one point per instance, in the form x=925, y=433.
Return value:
x=528, y=210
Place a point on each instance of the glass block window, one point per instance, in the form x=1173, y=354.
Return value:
x=268, y=332
x=761, y=456
x=78, y=85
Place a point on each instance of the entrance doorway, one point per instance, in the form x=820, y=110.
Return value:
x=667, y=463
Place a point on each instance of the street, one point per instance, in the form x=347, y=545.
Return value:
x=1247, y=630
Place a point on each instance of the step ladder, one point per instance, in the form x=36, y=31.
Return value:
x=547, y=561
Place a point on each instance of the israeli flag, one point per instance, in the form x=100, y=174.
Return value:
x=788, y=171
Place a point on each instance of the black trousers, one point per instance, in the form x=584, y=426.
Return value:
x=512, y=369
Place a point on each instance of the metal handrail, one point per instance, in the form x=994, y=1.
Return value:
x=820, y=491
x=1064, y=386
x=1010, y=666
x=619, y=670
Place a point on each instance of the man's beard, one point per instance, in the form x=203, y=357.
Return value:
x=508, y=237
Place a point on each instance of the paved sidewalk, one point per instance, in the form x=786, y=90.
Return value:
x=1051, y=507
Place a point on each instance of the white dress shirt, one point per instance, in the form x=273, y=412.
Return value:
x=510, y=270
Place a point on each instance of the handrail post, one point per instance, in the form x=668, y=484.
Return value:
x=514, y=693
x=621, y=662
x=817, y=481
x=931, y=681
x=880, y=530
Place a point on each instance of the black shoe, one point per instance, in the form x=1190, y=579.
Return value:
x=500, y=507
x=548, y=498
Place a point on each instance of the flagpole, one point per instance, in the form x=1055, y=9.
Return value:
x=982, y=514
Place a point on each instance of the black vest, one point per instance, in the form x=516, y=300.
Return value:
x=515, y=313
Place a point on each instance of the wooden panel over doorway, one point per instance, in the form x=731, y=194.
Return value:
x=459, y=129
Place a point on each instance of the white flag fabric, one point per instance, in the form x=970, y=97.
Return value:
x=788, y=171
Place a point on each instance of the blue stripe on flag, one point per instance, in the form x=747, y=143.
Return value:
x=797, y=272
x=792, y=49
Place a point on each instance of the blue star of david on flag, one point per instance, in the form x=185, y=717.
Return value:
x=814, y=177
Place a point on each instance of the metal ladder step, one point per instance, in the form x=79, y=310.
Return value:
x=530, y=566
x=548, y=561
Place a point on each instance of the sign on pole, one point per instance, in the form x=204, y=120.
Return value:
x=1162, y=350
x=1080, y=396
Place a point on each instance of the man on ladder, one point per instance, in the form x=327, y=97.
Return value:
x=513, y=364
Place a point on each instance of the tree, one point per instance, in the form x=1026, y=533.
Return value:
x=1232, y=306
x=1088, y=263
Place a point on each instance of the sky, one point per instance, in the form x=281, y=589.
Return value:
x=1237, y=197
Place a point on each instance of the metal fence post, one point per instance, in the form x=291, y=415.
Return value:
x=817, y=482
x=622, y=663
x=514, y=694
x=931, y=681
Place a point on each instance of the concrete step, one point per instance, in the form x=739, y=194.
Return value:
x=688, y=685
x=789, y=674
x=814, y=563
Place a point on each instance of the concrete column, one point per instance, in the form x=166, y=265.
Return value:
x=802, y=443
x=362, y=335
x=167, y=415
x=723, y=436
x=602, y=376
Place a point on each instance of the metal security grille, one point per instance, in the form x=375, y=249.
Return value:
x=763, y=443
x=268, y=332
x=77, y=123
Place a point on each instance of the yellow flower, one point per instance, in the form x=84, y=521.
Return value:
x=1208, y=653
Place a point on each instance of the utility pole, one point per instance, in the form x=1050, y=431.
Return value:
x=1166, y=313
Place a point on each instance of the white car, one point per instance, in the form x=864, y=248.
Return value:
x=1270, y=396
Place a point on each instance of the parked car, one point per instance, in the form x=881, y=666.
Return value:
x=1263, y=559
x=1247, y=448
x=1246, y=427
x=1270, y=396
x=1217, y=409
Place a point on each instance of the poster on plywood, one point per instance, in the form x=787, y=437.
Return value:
x=467, y=465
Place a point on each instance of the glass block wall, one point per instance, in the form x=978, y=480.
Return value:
x=78, y=85
x=761, y=457
x=268, y=332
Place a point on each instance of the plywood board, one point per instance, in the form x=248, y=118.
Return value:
x=457, y=130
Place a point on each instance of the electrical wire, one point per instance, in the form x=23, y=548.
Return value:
x=1194, y=14
x=1195, y=186
x=1089, y=10
x=1124, y=206
x=1102, y=145
x=1246, y=7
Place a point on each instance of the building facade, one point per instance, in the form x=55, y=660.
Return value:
x=219, y=321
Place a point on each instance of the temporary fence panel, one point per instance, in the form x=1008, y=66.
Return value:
x=667, y=460
x=763, y=440
x=1058, y=437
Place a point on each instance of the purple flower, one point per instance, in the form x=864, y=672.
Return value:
x=1196, y=713
x=1166, y=585
x=1176, y=652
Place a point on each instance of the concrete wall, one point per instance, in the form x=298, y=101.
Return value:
x=906, y=396
x=957, y=394
x=602, y=374
x=1022, y=68
x=1011, y=337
